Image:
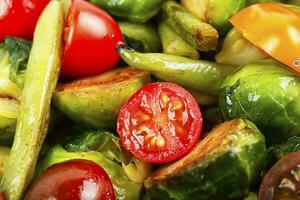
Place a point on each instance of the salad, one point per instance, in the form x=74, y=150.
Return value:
x=149, y=100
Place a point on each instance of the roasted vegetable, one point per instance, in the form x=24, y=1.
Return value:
x=294, y=2
x=40, y=81
x=274, y=28
x=224, y=165
x=130, y=10
x=127, y=173
x=96, y=101
x=282, y=180
x=145, y=33
x=11, y=59
x=215, y=12
x=9, y=106
x=197, y=33
x=18, y=50
x=250, y=2
x=266, y=93
x=278, y=151
x=237, y=50
x=173, y=44
x=197, y=75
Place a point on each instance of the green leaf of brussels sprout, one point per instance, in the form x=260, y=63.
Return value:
x=127, y=173
x=266, y=93
x=237, y=50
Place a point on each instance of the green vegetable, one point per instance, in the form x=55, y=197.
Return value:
x=146, y=33
x=250, y=2
x=96, y=101
x=13, y=59
x=222, y=166
x=294, y=2
x=127, y=173
x=204, y=98
x=18, y=50
x=278, y=151
x=130, y=10
x=173, y=44
x=215, y=12
x=197, y=33
x=40, y=81
x=266, y=93
x=252, y=196
x=237, y=50
x=197, y=75
x=211, y=118
x=9, y=99
x=4, y=156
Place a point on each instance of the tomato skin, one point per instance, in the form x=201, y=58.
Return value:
x=91, y=36
x=152, y=126
x=74, y=179
x=19, y=17
x=274, y=28
x=282, y=179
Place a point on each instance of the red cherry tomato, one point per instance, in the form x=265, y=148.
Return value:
x=282, y=180
x=19, y=17
x=75, y=179
x=91, y=36
x=160, y=123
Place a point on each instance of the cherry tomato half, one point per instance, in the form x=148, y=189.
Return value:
x=19, y=17
x=282, y=180
x=75, y=179
x=90, y=36
x=274, y=28
x=160, y=123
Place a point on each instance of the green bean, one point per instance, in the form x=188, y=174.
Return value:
x=40, y=82
x=197, y=75
x=173, y=44
x=197, y=33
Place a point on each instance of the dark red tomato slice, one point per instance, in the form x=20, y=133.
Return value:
x=90, y=36
x=19, y=17
x=160, y=123
x=282, y=181
x=75, y=179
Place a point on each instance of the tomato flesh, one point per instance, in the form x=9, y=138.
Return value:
x=90, y=39
x=19, y=17
x=75, y=179
x=282, y=180
x=160, y=123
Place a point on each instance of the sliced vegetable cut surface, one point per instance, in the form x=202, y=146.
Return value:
x=160, y=123
x=222, y=166
x=283, y=180
x=95, y=101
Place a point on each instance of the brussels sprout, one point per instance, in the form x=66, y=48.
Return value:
x=294, y=2
x=250, y=2
x=222, y=166
x=126, y=172
x=96, y=101
x=266, y=93
x=145, y=33
x=237, y=50
x=278, y=151
x=215, y=12
x=9, y=98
